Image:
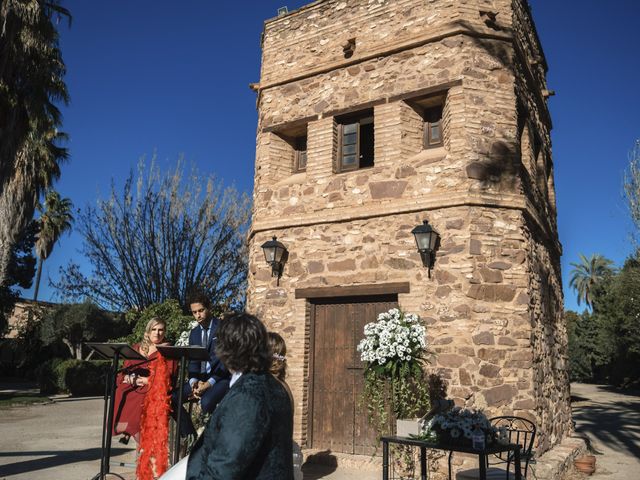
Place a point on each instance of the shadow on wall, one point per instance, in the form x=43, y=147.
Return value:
x=500, y=163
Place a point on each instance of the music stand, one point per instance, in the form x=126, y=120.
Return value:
x=182, y=353
x=114, y=351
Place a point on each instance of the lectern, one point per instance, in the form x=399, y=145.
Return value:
x=114, y=351
x=182, y=353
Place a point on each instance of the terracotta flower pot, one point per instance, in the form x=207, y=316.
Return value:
x=585, y=464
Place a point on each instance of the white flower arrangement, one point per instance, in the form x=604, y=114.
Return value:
x=394, y=336
x=460, y=423
x=183, y=339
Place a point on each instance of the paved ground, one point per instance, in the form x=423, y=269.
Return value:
x=61, y=440
x=611, y=422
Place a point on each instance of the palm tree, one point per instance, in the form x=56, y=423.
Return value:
x=31, y=81
x=55, y=219
x=587, y=274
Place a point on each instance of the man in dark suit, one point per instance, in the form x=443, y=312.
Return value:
x=249, y=435
x=208, y=380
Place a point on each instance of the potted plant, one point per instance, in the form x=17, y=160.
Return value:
x=394, y=349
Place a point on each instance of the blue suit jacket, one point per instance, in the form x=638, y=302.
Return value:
x=218, y=370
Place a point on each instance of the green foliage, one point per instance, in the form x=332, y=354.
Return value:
x=586, y=275
x=31, y=84
x=55, y=219
x=77, y=377
x=82, y=377
x=397, y=390
x=604, y=346
x=74, y=324
x=21, y=269
x=47, y=376
x=586, y=358
x=169, y=311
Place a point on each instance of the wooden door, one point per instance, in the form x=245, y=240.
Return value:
x=337, y=421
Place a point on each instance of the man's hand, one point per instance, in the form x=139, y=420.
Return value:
x=200, y=388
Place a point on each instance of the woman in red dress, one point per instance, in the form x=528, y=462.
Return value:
x=133, y=382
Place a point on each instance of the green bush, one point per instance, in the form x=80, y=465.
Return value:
x=84, y=377
x=169, y=311
x=47, y=375
x=77, y=377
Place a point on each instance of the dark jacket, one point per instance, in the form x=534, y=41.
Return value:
x=218, y=370
x=249, y=435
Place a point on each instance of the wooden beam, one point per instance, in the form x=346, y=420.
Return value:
x=353, y=290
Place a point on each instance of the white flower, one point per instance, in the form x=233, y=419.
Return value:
x=394, y=336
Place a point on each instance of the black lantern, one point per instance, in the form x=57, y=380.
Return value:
x=275, y=254
x=427, y=240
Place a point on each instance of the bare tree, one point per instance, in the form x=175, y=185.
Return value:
x=632, y=184
x=163, y=235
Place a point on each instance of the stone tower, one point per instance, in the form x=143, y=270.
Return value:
x=375, y=115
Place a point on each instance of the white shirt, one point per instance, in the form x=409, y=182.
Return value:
x=234, y=378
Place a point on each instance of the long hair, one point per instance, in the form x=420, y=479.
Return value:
x=278, y=349
x=242, y=344
x=146, y=340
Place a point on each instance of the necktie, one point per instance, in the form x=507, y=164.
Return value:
x=205, y=343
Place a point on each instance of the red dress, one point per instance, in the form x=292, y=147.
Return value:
x=129, y=399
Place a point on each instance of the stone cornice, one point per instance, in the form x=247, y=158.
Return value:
x=389, y=48
x=401, y=206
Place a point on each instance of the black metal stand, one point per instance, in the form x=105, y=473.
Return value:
x=182, y=354
x=115, y=351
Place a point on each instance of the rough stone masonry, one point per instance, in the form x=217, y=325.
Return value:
x=493, y=303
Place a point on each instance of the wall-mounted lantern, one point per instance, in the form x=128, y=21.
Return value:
x=428, y=241
x=275, y=254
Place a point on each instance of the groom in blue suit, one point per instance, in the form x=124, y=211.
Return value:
x=208, y=380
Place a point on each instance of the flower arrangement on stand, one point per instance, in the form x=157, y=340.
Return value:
x=458, y=426
x=394, y=349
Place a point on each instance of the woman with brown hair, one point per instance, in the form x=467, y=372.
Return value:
x=249, y=435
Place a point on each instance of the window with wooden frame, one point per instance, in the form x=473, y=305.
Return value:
x=430, y=108
x=355, y=141
x=432, y=127
x=300, y=154
x=295, y=136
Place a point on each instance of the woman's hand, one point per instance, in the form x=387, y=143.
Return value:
x=141, y=381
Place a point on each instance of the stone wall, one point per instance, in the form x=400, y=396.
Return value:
x=493, y=304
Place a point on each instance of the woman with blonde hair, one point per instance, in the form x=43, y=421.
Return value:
x=133, y=382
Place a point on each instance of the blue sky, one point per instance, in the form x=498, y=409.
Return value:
x=172, y=78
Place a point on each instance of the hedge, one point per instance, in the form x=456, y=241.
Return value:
x=77, y=377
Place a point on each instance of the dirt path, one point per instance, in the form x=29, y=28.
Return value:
x=611, y=422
